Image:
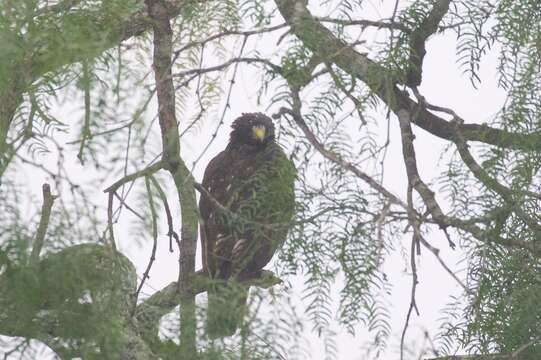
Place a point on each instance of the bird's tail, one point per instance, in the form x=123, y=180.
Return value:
x=226, y=309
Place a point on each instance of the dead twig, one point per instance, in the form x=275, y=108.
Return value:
x=110, y=220
x=151, y=169
x=154, y=218
x=170, y=229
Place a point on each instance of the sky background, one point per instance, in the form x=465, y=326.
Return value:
x=443, y=85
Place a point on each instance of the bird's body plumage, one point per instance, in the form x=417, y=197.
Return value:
x=253, y=179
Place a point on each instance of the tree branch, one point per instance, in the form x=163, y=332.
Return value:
x=160, y=14
x=335, y=158
x=418, y=38
x=328, y=47
x=414, y=179
x=170, y=228
x=39, y=238
x=154, y=240
x=151, y=169
x=150, y=311
x=493, y=184
x=365, y=23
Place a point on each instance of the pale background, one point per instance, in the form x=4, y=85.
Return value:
x=444, y=85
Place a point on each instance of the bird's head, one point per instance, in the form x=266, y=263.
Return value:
x=253, y=129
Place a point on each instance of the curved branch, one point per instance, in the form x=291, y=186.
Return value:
x=418, y=39
x=327, y=46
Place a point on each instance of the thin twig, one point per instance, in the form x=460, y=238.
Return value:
x=151, y=169
x=123, y=202
x=110, y=220
x=170, y=229
x=236, y=60
x=154, y=242
x=381, y=24
x=414, y=244
x=337, y=159
x=228, y=33
x=226, y=107
x=436, y=252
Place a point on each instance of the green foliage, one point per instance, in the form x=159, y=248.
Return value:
x=502, y=314
x=83, y=284
x=338, y=234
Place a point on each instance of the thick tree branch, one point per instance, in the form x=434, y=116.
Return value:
x=159, y=13
x=507, y=195
x=432, y=205
x=414, y=179
x=150, y=311
x=418, y=39
x=328, y=47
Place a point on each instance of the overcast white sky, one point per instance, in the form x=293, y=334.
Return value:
x=444, y=85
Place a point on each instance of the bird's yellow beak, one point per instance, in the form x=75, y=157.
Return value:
x=259, y=132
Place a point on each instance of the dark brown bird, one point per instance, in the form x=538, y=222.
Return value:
x=253, y=179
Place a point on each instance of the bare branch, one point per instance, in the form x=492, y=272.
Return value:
x=229, y=33
x=436, y=252
x=414, y=280
x=125, y=204
x=154, y=217
x=39, y=238
x=236, y=60
x=413, y=174
x=151, y=169
x=170, y=229
x=381, y=24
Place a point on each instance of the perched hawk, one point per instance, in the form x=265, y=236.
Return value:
x=253, y=179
